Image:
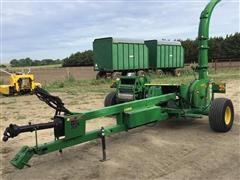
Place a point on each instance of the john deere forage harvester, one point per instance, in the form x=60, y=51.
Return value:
x=194, y=99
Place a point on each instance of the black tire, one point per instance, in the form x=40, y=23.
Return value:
x=11, y=91
x=116, y=75
x=110, y=99
x=172, y=104
x=98, y=76
x=160, y=72
x=176, y=72
x=221, y=115
x=101, y=75
x=141, y=73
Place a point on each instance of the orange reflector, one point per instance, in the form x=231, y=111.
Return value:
x=221, y=87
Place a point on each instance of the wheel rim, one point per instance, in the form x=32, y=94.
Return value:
x=227, y=116
x=177, y=73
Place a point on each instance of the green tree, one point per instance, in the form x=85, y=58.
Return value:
x=79, y=59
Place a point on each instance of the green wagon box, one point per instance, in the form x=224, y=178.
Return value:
x=113, y=54
x=165, y=55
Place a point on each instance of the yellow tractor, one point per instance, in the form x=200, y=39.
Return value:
x=19, y=83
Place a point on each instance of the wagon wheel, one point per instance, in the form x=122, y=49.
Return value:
x=116, y=75
x=160, y=72
x=101, y=75
x=141, y=73
x=177, y=72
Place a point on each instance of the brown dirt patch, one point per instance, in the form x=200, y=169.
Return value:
x=172, y=149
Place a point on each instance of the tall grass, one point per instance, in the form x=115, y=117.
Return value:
x=72, y=86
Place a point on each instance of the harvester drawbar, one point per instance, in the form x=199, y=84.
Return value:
x=149, y=103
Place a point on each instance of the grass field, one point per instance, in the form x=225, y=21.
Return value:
x=72, y=85
x=33, y=67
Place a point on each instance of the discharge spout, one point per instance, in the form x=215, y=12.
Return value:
x=203, y=35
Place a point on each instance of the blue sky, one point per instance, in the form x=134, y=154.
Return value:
x=55, y=29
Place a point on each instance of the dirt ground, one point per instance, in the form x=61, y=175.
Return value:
x=173, y=149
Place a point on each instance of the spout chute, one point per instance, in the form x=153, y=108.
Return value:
x=203, y=35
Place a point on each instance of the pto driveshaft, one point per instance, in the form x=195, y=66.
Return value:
x=14, y=130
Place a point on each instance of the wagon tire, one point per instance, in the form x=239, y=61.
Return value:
x=101, y=75
x=116, y=75
x=98, y=76
x=141, y=73
x=221, y=115
x=177, y=72
x=160, y=72
x=110, y=99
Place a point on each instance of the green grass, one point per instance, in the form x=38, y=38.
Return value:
x=221, y=75
x=33, y=67
x=73, y=86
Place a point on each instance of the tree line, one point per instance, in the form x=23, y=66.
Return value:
x=219, y=48
x=29, y=62
x=79, y=59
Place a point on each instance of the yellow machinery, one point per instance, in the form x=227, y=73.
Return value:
x=19, y=83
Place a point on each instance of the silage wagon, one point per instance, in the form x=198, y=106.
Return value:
x=114, y=57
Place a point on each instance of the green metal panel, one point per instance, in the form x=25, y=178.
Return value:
x=174, y=63
x=115, y=61
x=136, y=55
x=178, y=51
x=74, y=128
x=112, y=54
x=120, y=56
x=145, y=62
x=131, y=57
x=152, y=52
x=125, y=56
x=141, y=56
x=102, y=60
x=22, y=157
x=171, y=55
x=165, y=54
x=144, y=116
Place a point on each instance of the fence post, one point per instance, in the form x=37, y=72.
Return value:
x=68, y=73
x=215, y=66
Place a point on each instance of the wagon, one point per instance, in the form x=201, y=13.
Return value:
x=114, y=57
